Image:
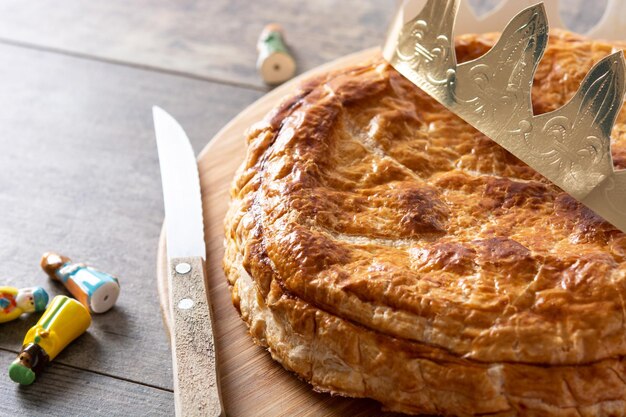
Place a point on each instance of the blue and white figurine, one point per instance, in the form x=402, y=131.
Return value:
x=96, y=290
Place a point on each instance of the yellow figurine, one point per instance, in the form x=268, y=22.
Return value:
x=15, y=302
x=64, y=320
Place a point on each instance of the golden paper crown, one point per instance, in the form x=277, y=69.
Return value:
x=570, y=146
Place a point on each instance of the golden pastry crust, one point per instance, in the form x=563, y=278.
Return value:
x=381, y=247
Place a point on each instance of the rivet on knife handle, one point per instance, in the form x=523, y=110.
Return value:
x=193, y=345
x=196, y=382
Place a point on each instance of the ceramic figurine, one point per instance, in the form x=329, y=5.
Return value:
x=14, y=302
x=275, y=64
x=64, y=320
x=97, y=290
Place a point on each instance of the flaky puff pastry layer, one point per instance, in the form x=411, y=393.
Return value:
x=381, y=247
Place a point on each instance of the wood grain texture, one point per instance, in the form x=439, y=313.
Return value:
x=63, y=391
x=206, y=38
x=252, y=384
x=196, y=380
x=216, y=38
x=80, y=176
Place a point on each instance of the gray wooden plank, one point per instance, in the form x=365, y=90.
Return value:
x=216, y=38
x=80, y=176
x=208, y=38
x=63, y=391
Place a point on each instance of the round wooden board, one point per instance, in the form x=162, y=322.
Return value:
x=252, y=383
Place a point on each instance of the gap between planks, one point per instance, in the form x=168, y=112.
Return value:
x=144, y=67
x=104, y=374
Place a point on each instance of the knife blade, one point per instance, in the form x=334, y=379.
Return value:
x=196, y=379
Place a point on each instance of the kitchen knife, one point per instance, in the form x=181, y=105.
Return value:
x=196, y=381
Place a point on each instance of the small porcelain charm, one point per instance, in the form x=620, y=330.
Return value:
x=64, y=320
x=97, y=290
x=14, y=302
x=275, y=64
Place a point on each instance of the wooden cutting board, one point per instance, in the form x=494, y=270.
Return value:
x=252, y=383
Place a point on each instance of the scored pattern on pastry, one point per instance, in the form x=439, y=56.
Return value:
x=571, y=145
x=381, y=247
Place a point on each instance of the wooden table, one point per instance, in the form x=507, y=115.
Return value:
x=78, y=163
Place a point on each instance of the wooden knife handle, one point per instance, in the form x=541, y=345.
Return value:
x=196, y=381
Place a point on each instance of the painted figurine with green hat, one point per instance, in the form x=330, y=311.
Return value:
x=15, y=302
x=64, y=320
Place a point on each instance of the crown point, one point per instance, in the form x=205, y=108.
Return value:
x=618, y=56
x=539, y=7
x=571, y=146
